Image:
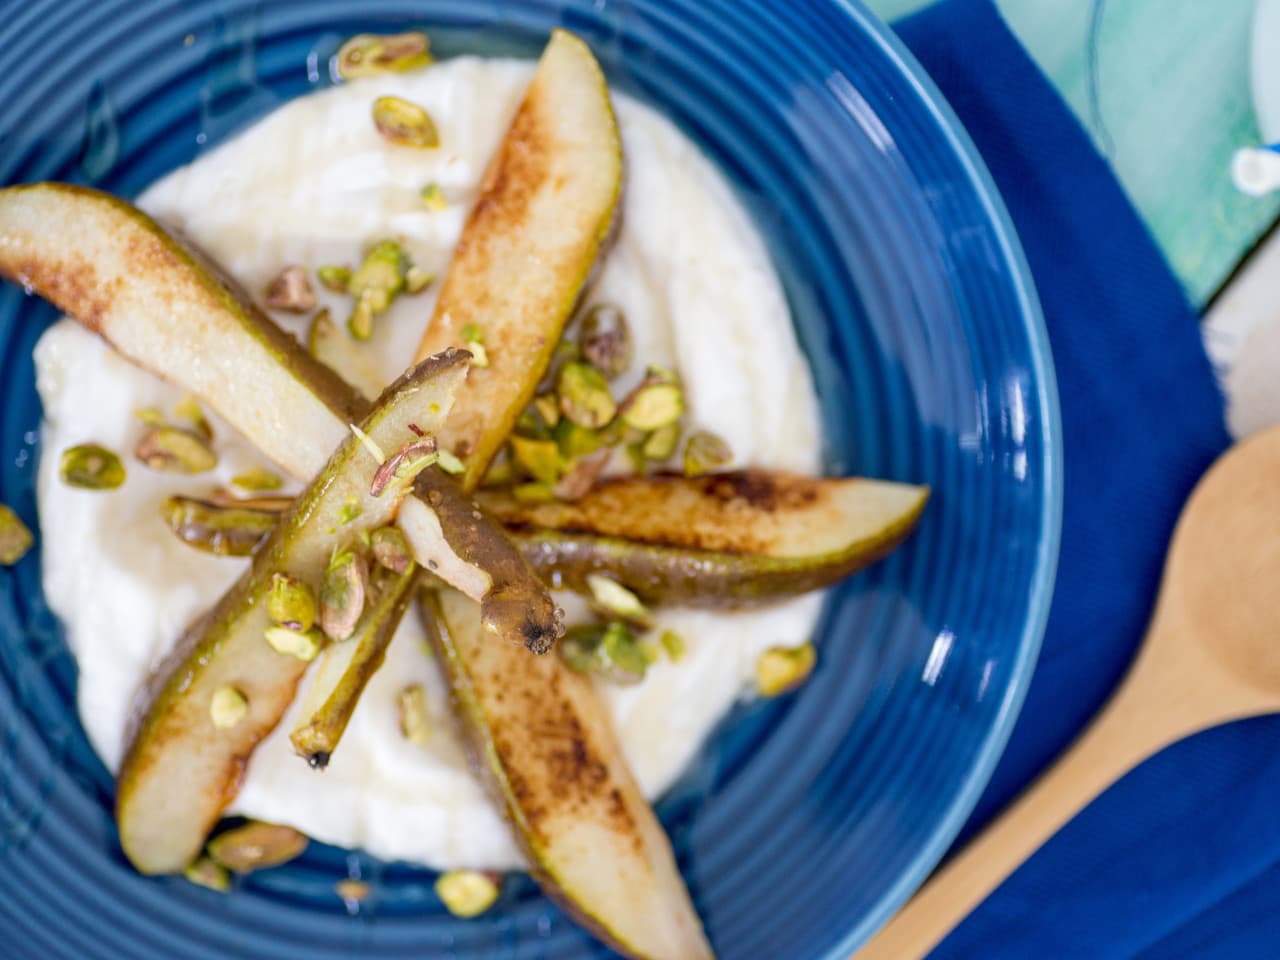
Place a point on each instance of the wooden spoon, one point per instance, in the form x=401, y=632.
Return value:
x=1210, y=657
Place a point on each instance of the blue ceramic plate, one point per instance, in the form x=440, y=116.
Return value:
x=804, y=822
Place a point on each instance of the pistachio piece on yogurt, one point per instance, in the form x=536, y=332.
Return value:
x=334, y=278
x=415, y=720
x=291, y=603
x=467, y=893
x=257, y=480
x=417, y=280
x=290, y=290
x=368, y=54
x=704, y=452
x=584, y=395
x=673, y=643
x=540, y=459
x=653, y=405
x=15, y=537
x=90, y=466
x=406, y=123
x=606, y=340
x=433, y=197
x=227, y=707
x=256, y=846
x=661, y=443
x=175, y=450
x=782, y=669
x=378, y=281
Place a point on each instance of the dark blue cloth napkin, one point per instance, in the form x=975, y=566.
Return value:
x=1182, y=857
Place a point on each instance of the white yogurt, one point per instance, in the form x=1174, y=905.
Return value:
x=312, y=184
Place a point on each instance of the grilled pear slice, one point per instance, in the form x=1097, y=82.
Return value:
x=224, y=687
x=546, y=208
x=165, y=308
x=719, y=540
x=545, y=743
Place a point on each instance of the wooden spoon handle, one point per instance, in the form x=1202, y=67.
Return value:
x=1130, y=728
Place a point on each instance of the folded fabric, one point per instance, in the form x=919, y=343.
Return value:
x=1182, y=857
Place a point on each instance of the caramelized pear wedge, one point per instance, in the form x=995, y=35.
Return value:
x=180, y=769
x=544, y=742
x=341, y=677
x=165, y=308
x=546, y=208
x=719, y=540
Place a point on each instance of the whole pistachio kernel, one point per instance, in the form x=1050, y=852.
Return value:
x=303, y=645
x=704, y=452
x=291, y=603
x=227, y=707
x=652, y=405
x=414, y=718
x=662, y=443
x=606, y=339
x=781, y=669
x=367, y=54
x=343, y=594
x=403, y=122
x=256, y=846
x=617, y=601
x=257, y=480
x=175, y=450
x=15, y=537
x=390, y=549
x=584, y=395
x=204, y=872
x=433, y=197
x=539, y=459
x=290, y=290
x=91, y=467
x=334, y=278
x=467, y=893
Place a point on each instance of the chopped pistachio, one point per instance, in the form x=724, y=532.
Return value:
x=500, y=473
x=360, y=323
x=151, y=416
x=529, y=424
x=606, y=339
x=334, y=277
x=533, y=492
x=342, y=595
x=467, y=893
x=781, y=669
x=416, y=280
x=367, y=54
x=581, y=476
x=405, y=464
x=290, y=291
x=539, y=459
x=258, y=480
x=472, y=333
x=635, y=456
x=479, y=354
x=651, y=652
x=704, y=452
x=576, y=441
x=189, y=410
x=303, y=645
x=548, y=408
x=256, y=846
x=620, y=657
x=175, y=450
x=566, y=351
x=405, y=123
x=91, y=467
x=617, y=601
x=350, y=510
x=655, y=373
x=390, y=549
x=578, y=646
x=584, y=395
x=227, y=707
x=352, y=891
x=674, y=644
x=662, y=443
x=415, y=720
x=433, y=197
x=15, y=537
x=378, y=281
x=291, y=603
x=652, y=405
x=204, y=872
x=448, y=461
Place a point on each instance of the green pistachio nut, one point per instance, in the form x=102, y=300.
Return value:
x=367, y=54
x=175, y=450
x=704, y=452
x=606, y=340
x=782, y=669
x=403, y=122
x=291, y=603
x=15, y=537
x=91, y=467
x=584, y=395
